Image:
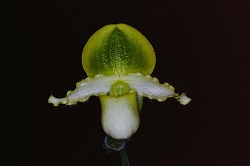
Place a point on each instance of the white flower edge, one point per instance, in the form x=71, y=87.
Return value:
x=144, y=85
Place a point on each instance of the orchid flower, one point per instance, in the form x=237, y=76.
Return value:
x=118, y=60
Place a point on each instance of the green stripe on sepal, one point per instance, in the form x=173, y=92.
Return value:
x=118, y=49
x=120, y=117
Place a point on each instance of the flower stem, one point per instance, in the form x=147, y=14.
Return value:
x=124, y=157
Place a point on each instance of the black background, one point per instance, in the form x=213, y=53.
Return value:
x=201, y=48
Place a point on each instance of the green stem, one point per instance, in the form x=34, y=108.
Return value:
x=124, y=157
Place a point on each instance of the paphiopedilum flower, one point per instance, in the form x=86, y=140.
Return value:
x=118, y=60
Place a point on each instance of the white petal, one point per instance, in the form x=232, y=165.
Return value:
x=84, y=89
x=120, y=118
x=150, y=87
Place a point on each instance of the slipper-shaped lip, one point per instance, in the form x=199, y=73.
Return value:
x=120, y=117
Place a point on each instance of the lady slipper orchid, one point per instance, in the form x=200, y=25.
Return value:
x=118, y=60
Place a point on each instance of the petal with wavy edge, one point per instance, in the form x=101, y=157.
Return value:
x=100, y=84
x=150, y=87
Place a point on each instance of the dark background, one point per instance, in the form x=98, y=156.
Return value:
x=201, y=48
